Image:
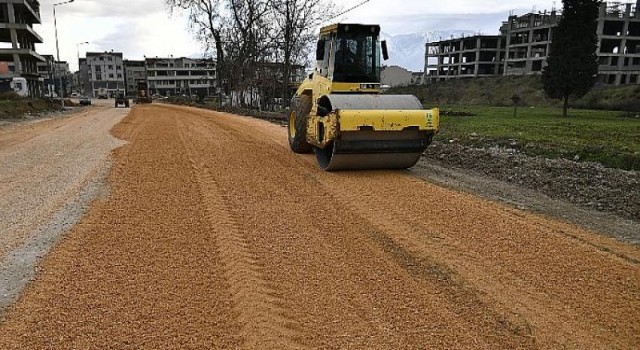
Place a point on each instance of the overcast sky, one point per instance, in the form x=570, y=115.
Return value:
x=144, y=27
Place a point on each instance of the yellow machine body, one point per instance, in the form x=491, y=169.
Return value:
x=350, y=124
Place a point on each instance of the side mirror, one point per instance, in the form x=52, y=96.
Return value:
x=385, y=51
x=320, y=50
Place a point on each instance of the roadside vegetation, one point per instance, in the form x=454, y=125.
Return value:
x=611, y=138
x=13, y=106
x=498, y=91
x=603, y=126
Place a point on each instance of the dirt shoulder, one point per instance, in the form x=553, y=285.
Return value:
x=604, y=199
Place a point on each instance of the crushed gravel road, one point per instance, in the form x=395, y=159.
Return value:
x=51, y=171
x=215, y=235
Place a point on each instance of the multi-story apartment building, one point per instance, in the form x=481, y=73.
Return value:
x=525, y=42
x=62, y=78
x=45, y=72
x=76, y=83
x=619, y=43
x=473, y=56
x=103, y=71
x=528, y=39
x=17, y=18
x=181, y=76
x=134, y=72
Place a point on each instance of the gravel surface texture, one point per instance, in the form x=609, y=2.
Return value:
x=51, y=171
x=215, y=235
x=587, y=185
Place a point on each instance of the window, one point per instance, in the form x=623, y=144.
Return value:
x=111, y=67
x=119, y=75
x=110, y=58
x=110, y=75
x=357, y=57
x=101, y=58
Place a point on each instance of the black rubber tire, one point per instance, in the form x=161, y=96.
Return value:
x=301, y=106
x=126, y=105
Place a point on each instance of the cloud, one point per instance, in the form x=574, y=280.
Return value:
x=108, y=9
x=134, y=27
x=419, y=15
x=145, y=27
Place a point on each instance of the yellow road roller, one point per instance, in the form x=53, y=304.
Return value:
x=339, y=112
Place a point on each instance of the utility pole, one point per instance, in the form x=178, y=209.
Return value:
x=55, y=25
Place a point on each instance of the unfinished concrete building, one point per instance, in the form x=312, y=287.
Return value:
x=528, y=39
x=17, y=18
x=619, y=43
x=470, y=57
x=526, y=42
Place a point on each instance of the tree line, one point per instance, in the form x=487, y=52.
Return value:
x=257, y=43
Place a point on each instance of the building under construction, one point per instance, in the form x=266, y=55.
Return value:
x=17, y=18
x=469, y=57
x=619, y=43
x=524, y=42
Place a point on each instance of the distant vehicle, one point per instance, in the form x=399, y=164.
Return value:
x=143, y=93
x=85, y=101
x=103, y=94
x=121, y=99
x=17, y=85
x=75, y=94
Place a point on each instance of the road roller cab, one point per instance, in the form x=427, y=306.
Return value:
x=340, y=114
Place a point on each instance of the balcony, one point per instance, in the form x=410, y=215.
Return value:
x=23, y=29
x=31, y=7
x=7, y=54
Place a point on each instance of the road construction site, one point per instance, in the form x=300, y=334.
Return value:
x=165, y=227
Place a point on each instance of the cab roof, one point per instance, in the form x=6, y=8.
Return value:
x=342, y=26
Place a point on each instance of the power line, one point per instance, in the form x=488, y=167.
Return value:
x=349, y=10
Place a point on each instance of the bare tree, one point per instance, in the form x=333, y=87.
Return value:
x=207, y=22
x=249, y=27
x=250, y=35
x=295, y=24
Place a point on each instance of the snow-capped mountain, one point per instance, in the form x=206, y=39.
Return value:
x=408, y=50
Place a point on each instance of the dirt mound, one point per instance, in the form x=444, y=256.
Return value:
x=588, y=185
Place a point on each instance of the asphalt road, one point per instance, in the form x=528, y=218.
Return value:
x=215, y=235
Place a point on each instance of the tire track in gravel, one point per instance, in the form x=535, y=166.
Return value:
x=217, y=236
x=368, y=315
x=545, y=293
x=140, y=271
x=265, y=324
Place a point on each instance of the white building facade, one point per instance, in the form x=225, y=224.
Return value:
x=103, y=71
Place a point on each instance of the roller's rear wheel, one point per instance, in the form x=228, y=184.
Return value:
x=297, y=115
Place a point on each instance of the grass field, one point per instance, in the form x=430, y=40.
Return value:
x=609, y=137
